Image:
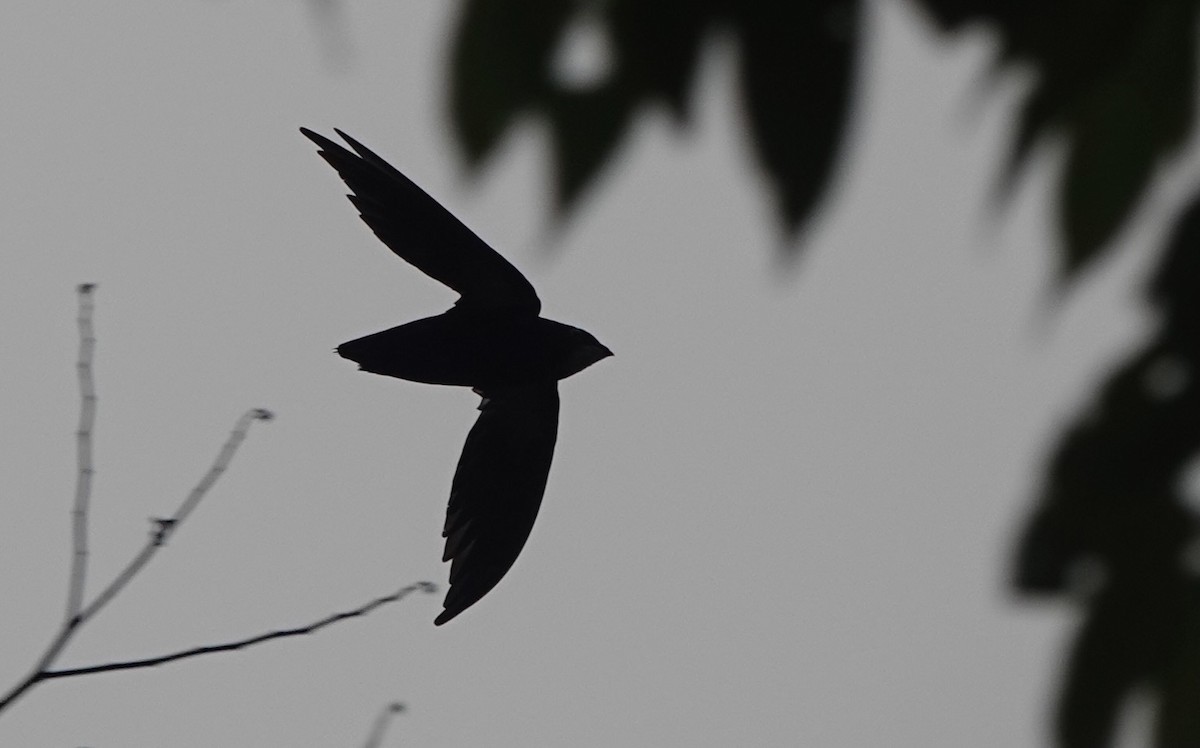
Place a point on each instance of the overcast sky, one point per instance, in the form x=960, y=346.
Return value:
x=779, y=516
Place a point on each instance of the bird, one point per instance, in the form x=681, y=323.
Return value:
x=493, y=340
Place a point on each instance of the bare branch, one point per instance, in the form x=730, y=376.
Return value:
x=165, y=527
x=83, y=449
x=375, y=739
x=35, y=675
x=77, y=614
x=427, y=587
x=162, y=528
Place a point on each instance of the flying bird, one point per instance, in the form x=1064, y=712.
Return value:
x=493, y=340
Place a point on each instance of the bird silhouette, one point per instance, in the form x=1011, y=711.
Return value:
x=492, y=340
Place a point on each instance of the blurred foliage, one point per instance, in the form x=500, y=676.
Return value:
x=1116, y=79
x=797, y=61
x=1115, y=506
x=1115, y=82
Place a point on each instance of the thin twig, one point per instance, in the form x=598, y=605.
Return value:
x=165, y=527
x=77, y=614
x=83, y=450
x=375, y=739
x=230, y=646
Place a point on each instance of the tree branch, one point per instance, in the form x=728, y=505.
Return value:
x=165, y=527
x=83, y=450
x=77, y=614
x=375, y=739
x=162, y=528
x=427, y=587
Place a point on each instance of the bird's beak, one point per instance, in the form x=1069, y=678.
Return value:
x=584, y=356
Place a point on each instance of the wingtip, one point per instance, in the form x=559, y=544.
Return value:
x=317, y=138
x=459, y=598
x=359, y=148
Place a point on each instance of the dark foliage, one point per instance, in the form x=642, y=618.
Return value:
x=1114, y=504
x=1115, y=79
x=797, y=64
x=1115, y=82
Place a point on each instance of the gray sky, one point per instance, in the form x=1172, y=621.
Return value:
x=780, y=515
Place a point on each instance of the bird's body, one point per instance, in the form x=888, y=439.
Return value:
x=468, y=349
x=494, y=341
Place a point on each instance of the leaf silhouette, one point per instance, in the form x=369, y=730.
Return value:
x=1113, y=498
x=1115, y=79
x=797, y=65
x=499, y=65
x=796, y=69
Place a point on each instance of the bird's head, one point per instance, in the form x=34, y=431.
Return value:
x=580, y=349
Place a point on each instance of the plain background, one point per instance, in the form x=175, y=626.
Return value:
x=780, y=516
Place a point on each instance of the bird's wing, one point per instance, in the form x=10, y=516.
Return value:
x=497, y=490
x=413, y=225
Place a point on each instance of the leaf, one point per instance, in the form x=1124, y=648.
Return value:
x=1132, y=118
x=1109, y=163
x=1128, y=637
x=1178, y=718
x=586, y=128
x=1175, y=287
x=500, y=66
x=797, y=65
x=1049, y=551
x=657, y=45
x=1115, y=78
x=1113, y=493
